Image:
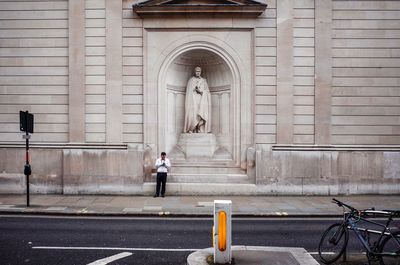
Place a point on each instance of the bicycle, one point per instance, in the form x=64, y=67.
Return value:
x=385, y=250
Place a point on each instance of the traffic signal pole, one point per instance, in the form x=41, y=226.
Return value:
x=27, y=169
x=26, y=125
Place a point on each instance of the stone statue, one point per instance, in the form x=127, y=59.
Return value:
x=197, y=105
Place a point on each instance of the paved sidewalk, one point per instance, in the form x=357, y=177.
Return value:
x=268, y=206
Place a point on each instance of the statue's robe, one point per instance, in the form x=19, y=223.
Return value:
x=197, y=107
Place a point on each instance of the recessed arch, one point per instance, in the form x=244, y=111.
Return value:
x=213, y=56
x=177, y=44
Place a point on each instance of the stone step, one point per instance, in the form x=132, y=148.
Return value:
x=205, y=178
x=206, y=162
x=203, y=189
x=205, y=170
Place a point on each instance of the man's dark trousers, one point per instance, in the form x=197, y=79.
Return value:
x=161, y=180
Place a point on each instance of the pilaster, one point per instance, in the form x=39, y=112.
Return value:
x=76, y=44
x=323, y=71
x=284, y=64
x=114, y=71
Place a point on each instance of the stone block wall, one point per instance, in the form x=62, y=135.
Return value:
x=46, y=171
x=323, y=73
x=365, y=72
x=327, y=172
x=72, y=171
x=34, y=68
x=102, y=172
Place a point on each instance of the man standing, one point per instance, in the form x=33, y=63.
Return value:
x=197, y=105
x=162, y=165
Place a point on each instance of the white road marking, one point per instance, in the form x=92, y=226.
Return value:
x=110, y=259
x=154, y=208
x=332, y=253
x=135, y=210
x=205, y=204
x=56, y=208
x=324, y=253
x=122, y=249
x=281, y=213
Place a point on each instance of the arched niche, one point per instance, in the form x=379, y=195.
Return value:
x=233, y=49
x=220, y=81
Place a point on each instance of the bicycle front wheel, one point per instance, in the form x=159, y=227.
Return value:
x=333, y=243
x=390, y=250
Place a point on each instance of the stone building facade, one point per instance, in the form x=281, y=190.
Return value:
x=305, y=95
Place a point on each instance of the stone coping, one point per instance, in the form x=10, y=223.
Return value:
x=34, y=145
x=311, y=147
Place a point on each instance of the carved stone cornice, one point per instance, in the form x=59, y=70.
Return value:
x=163, y=8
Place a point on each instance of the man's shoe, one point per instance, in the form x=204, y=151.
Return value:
x=163, y=195
x=155, y=195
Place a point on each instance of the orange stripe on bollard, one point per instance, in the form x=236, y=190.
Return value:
x=222, y=231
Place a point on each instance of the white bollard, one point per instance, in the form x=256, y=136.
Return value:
x=222, y=231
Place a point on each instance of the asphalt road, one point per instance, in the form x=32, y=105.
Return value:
x=60, y=240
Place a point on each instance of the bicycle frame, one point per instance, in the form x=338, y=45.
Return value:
x=352, y=225
x=354, y=216
x=359, y=221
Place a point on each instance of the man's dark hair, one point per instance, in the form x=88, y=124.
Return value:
x=163, y=153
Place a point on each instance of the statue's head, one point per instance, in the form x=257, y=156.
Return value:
x=197, y=71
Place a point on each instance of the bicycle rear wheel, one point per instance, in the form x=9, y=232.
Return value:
x=391, y=247
x=333, y=243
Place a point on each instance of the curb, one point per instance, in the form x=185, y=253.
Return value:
x=162, y=214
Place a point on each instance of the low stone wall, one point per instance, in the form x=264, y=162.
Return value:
x=276, y=172
x=46, y=171
x=103, y=172
x=327, y=172
x=72, y=171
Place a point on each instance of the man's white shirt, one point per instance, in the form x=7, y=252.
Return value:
x=160, y=168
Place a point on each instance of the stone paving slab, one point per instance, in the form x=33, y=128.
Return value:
x=263, y=206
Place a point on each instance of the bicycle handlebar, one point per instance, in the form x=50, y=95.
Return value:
x=341, y=204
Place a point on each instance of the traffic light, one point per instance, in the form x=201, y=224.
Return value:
x=26, y=121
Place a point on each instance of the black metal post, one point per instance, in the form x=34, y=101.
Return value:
x=26, y=125
x=27, y=170
x=27, y=165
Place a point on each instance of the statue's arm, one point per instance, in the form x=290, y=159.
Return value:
x=199, y=90
x=205, y=86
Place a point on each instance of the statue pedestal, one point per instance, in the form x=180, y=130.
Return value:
x=198, y=144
